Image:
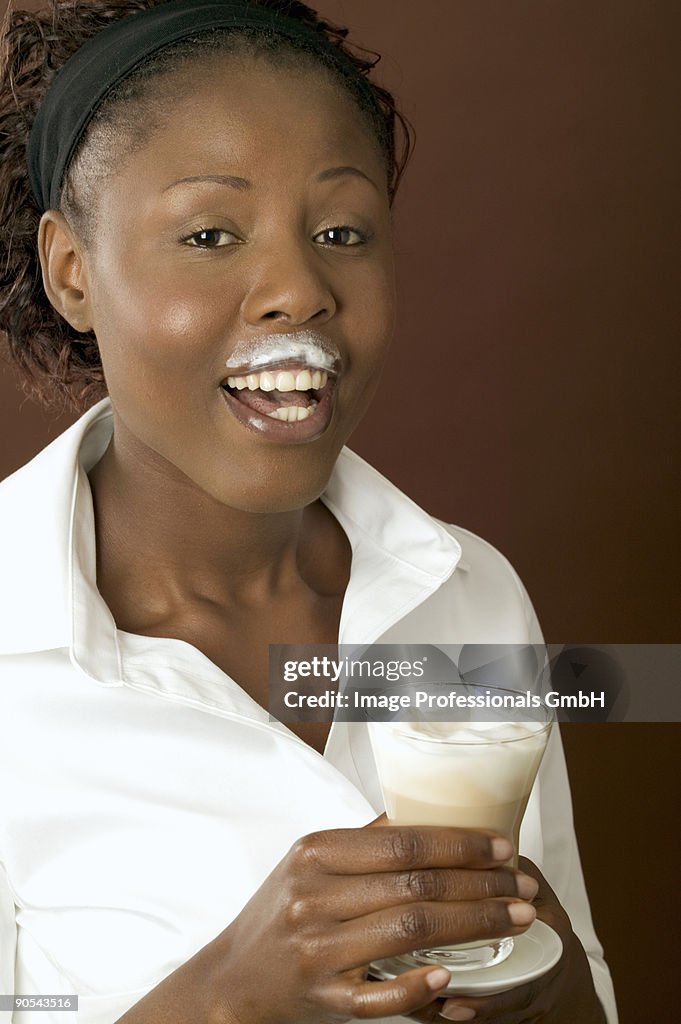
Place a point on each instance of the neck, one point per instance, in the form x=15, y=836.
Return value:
x=164, y=545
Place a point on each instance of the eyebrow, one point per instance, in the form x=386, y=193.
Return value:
x=338, y=172
x=219, y=179
x=243, y=184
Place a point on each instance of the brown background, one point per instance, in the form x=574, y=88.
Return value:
x=533, y=392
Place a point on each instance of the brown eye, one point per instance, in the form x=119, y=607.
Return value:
x=342, y=236
x=210, y=238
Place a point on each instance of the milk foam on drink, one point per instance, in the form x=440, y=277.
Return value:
x=465, y=774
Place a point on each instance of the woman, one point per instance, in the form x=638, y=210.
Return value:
x=208, y=194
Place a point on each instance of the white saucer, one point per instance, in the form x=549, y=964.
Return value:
x=535, y=952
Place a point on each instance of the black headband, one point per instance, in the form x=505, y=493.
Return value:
x=117, y=50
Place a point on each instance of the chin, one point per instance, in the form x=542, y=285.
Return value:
x=282, y=489
x=271, y=501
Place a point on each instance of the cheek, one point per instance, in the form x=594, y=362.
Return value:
x=375, y=303
x=161, y=337
x=180, y=319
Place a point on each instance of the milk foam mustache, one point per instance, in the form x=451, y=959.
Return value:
x=283, y=385
x=304, y=348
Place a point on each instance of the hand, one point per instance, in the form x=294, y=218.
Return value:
x=562, y=996
x=298, y=951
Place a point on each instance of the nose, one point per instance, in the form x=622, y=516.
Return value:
x=289, y=282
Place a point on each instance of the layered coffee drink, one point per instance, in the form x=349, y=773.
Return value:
x=466, y=774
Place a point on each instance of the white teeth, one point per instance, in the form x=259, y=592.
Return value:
x=292, y=413
x=285, y=380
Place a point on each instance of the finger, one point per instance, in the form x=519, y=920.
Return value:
x=402, y=929
x=545, y=893
x=371, y=850
x=371, y=999
x=464, y=1013
x=547, y=904
x=526, y=1003
x=347, y=898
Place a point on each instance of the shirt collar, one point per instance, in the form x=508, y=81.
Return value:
x=47, y=552
x=47, y=547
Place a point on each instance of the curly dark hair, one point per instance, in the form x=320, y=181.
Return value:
x=61, y=367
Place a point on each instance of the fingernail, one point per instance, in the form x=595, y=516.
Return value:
x=438, y=979
x=501, y=850
x=521, y=913
x=527, y=886
x=450, y=1011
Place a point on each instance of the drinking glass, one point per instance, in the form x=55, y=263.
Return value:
x=472, y=773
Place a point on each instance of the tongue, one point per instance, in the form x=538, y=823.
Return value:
x=268, y=401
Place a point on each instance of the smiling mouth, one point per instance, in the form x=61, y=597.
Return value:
x=289, y=395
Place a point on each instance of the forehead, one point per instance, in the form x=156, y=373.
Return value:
x=250, y=109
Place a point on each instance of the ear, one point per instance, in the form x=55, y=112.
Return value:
x=64, y=270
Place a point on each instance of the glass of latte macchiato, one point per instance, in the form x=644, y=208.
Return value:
x=477, y=772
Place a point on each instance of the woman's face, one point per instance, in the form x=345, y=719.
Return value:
x=258, y=210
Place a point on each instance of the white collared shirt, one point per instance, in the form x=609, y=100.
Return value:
x=144, y=796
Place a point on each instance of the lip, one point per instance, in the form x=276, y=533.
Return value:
x=279, y=431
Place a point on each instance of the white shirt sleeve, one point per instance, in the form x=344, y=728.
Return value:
x=561, y=863
x=8, y=942
x=562, y=867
